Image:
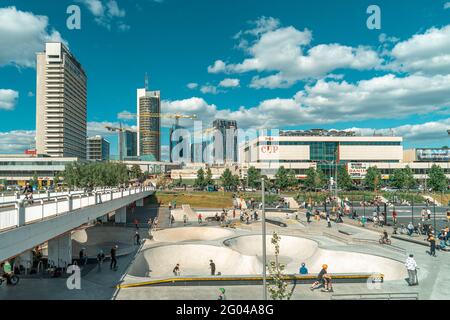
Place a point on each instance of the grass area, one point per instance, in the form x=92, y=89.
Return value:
x=443, y=198
x=195, y=199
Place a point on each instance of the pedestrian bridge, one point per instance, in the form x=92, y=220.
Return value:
x=24, y=226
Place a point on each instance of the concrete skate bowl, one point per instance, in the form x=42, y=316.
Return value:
x=103, y=238
x=191, y=234
x=295, y=250
x=194, y=261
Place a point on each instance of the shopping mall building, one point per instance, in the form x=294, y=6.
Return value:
x=328, y=150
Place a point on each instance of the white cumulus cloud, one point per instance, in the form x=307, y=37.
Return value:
x=229, y=83
x=107, y=13
x=8, y=99
x=287, y=53
x=22, y=34
x=425, y=53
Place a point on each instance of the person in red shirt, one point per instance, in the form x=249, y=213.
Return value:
x=394, y=216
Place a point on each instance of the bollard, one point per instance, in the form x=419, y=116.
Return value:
x=70, y=200
x=20, y=213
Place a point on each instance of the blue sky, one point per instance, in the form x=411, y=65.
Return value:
x=282, y=64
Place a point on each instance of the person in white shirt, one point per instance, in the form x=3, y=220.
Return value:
x=411, y=266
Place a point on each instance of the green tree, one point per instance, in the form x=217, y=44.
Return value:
x=410, y=182
x=344, y=179
x=208, y=177
x=101, y=174
x=253, y=177
x=292, y=179
x=437, y=179
x=315, y=179
x=402, y=178
x=278, y=287
x=228, y=180
x=397, y=179
x=282, y=180
x=200, y=181
x=135, y=172
x=373, y=178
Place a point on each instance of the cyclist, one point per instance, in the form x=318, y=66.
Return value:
x=7, y=271
x=28, y=192
x=385, y=237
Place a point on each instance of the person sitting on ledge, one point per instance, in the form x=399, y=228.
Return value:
x=303, y=270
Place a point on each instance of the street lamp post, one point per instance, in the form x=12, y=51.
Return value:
x=434, y=214
x=264, y=254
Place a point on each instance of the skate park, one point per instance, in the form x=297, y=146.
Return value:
x=353, y=255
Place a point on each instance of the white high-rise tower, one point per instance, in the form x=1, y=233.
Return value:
x=61, y=103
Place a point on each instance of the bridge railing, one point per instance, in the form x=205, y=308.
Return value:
x=21, y=212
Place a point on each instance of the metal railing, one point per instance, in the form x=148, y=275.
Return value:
x=21, y=212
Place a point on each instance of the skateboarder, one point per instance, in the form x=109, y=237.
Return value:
x=411, y=266
x=176, y=270
x=113, y=265
x=319, y=281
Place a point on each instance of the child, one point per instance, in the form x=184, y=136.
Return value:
x=327, y=283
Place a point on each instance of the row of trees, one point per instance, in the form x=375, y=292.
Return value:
x=316, y=179
x=100, y=174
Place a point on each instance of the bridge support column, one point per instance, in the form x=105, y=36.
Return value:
x=26, y=260
x=121, y=215
x=140, y=203
x=60, y=250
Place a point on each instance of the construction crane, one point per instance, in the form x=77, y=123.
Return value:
x=119, y=130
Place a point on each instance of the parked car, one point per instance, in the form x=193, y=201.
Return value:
x=13, y=188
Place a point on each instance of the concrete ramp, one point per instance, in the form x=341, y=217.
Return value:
x=191, y=234
x=191, y=214
x=292, y=203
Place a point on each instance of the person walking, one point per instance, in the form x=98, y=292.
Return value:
x=199, y=218
x=184, y=219
x=100, y=259
x=432, y=240
x=328, y=221
x=212, y=266
x=83, y=257
x=308, y=216
x=411, y=266
x=113, y=265
x=394, y=217
x=137, y=237
x=363, y=221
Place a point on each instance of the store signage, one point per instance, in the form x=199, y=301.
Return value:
x=269, y=149
x=433, y=154
x=357, y=170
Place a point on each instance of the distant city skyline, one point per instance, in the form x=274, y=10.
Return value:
x=284, y=65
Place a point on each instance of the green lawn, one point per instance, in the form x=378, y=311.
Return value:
x=196, y=199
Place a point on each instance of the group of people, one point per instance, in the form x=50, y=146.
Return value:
x=212, y=267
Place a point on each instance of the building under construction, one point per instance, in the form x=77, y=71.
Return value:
x=148, y=124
